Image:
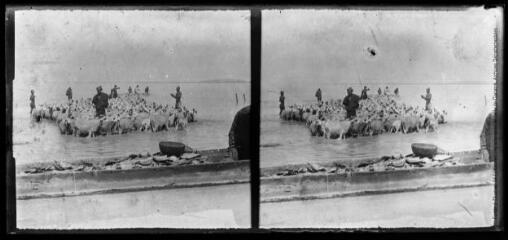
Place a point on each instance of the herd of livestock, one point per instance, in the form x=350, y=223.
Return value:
x=124, y=114
x=375, y=115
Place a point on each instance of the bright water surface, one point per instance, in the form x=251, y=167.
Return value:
x=215, y=103
x=467, y=106
x=291, y=143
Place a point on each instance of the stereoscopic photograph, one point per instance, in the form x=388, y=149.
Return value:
x=139, y=118
x=378, y=117
x=131, y=118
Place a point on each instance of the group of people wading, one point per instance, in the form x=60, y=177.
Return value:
x=363, y=115
x=132, y=112
x=112, y=114
x=100, y=100
x=351, y=101
x=323, y=119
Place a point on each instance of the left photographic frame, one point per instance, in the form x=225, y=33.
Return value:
x=130, y=118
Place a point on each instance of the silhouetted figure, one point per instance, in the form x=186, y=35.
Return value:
x=32, y=100
x=68, y=93
x=350, y=102
x=177, y=96
x=282, y=107
x=114, y=93
x=319, y=95
x=100, y=101
x=364, y=92
x=427, y=99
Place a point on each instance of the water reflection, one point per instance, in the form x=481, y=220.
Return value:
x=36, y=142
x=298, y=146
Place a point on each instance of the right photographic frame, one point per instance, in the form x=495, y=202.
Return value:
x=380, y=118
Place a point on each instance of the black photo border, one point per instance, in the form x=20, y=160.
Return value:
x=8, y=169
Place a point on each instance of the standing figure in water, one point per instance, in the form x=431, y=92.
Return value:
x=177, y=96
x=244, y=100
x=69, y=93
x=281, y=102
x=236, y=96
x=396, y=92
x=319, y=95
x=146, y=90
x=32, y=100
x=379, y=91
x=100, y=101
x=350, y=103
x=114, y=93
x=364, y=92
x=427, y=99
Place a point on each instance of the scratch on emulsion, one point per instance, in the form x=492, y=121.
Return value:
x=464, y=207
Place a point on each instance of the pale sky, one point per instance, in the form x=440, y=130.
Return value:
x=87, y=45
x=326, y=46
x=313, y=47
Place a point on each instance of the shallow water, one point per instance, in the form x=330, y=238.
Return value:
x=291, y=143
x=297, y=146
x=215, y=103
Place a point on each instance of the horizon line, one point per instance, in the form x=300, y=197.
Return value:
x=415, y=83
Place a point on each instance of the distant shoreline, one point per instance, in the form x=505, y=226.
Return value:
x=166, y=82
x=410, y=83
x=223, y=81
